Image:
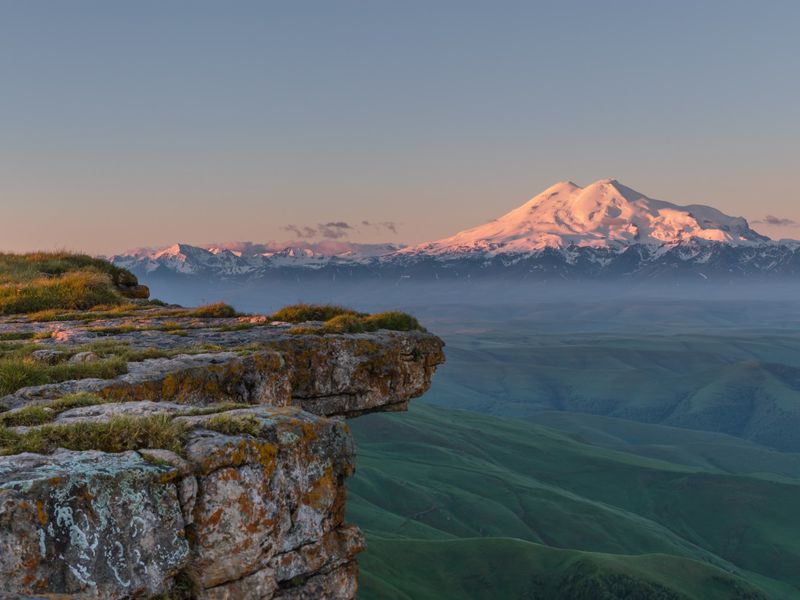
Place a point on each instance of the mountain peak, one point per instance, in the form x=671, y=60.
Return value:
x=605, y=213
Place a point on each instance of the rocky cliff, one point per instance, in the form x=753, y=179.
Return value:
x=176, y=456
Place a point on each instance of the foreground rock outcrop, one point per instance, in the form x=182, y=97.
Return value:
x=230, y=482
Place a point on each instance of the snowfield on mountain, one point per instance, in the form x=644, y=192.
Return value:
x=605, y=214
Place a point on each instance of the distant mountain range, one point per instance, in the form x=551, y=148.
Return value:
x=605, y=230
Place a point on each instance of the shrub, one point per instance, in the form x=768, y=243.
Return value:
x=346, y=323
x=299, y=313
x=210, y=311
x=353, y=322
x=393, y=320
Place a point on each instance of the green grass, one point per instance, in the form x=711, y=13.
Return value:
x=16, y=335
x=234, y=424
x=300, y=313
x=338, y=319
x=17, y=372
x=41, y=282
x=45, y=413
x=117, y=434
x=114, y=329
x=392, y=320
x=514, y=569
x=21, y=268
x=79, y=290
x=344, y=324
x=742, y=383
x=440, y=493
x=218, y=310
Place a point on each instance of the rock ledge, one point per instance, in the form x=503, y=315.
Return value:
x=250, y=507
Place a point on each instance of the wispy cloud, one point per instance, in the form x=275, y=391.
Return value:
x=337, y=230
x=334, y=230
x=387, y=225
x=301, y=232
x=777, y=221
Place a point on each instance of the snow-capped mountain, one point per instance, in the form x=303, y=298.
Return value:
x=245, y=259
x=605, y=214
x=603, y=230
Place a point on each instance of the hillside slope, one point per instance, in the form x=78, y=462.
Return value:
x=454, y=486
x=742, y=382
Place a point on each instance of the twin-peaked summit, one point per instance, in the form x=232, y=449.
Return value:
x=605, y=214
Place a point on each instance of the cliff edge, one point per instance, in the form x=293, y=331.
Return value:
x=160, y=452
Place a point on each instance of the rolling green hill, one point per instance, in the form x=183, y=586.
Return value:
x=462, y=505
x=744, y=383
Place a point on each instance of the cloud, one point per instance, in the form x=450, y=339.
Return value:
x=301, y=231
x=388, y=225
x=336, y=230
x=333, y=230
x=777, y=221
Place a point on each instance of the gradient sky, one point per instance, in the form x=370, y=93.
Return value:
x=140, y=123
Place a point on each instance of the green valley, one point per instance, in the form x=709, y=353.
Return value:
x=458, y=504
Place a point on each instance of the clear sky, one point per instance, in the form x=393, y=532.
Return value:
x=147, y=122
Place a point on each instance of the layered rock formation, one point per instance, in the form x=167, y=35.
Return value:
x=244, y=495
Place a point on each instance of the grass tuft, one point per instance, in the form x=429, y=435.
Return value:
x=392, y=320
x=353, y=322
x=16, y=335
x=218, y=310
x=45, y=413
x=234, y=424
x=17, y=372
x=299, y=313
x=345, y=324
x=74, y=291
x=117, y=434
x=49, y=281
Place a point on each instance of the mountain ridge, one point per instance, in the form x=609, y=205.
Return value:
x=602, y=230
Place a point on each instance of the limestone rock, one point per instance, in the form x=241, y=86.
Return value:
x=252, y=506
x=82, y=357
x=89, y=523
x=260, y=496
x=47, y=356
x=103, y=412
